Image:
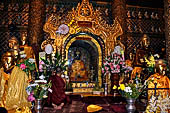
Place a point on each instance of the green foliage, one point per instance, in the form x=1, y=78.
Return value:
x=58, y=62
x=40, y=91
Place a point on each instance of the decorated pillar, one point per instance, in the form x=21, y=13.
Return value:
x=35, y=25
x=36, y=21
x=167, y=28
x=119, y=11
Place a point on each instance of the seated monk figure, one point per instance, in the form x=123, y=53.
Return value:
x=57, y=97
x=13, y=82
x=160, y=79
x=78, y=71
x=24, y=47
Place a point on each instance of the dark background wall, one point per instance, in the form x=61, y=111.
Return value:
x=15, y=15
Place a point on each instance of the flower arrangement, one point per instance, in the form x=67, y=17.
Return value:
x=132, y=90
x=27, y=65
x=38, y=90
x=57, y=61
x=115, y=63
x=158, y=104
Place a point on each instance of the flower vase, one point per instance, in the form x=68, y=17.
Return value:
x=130, y=107
x=38, y=106
x=114, y=81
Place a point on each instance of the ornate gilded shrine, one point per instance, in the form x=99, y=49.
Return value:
x=82, y=25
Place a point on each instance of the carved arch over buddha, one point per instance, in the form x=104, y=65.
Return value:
x=83, y=19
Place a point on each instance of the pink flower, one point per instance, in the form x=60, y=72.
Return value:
x=118, y=67
x=121, y=62
x=41, y=62
x=31, y=97
x=102, y=70
x=23, y=66
x=41, y=68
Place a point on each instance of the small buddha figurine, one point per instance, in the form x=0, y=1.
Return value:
x=128, y=14
x=13, y=82
x=159, y=79
x=139, y=15
x=146, y=15
x=24, y=47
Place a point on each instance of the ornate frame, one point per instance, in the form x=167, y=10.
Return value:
x=85, y=20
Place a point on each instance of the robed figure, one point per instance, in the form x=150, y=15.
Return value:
x=57, y=96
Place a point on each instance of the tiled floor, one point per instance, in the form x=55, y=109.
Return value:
x=79, y=105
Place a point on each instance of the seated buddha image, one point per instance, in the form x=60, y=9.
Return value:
x=28, y=50
x=79, y=72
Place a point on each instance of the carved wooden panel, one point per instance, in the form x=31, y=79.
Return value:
x=145, y=20
x=13, y=20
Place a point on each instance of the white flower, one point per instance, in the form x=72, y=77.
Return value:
x=42, y=77
x=45, y=96
x=31, y=85
x=128, y=89
x=50, y=90
x=45, y=88
x=66, y=77
x=31, y=60
x=22, y=52
x=23, y=56
x=62, y=76
x=37, y=81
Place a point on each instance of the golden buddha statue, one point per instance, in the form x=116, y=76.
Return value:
x=12, y=42
x=143, y=51
x=79, y=72
x=160, y=79
x=24, y=47
x=13, y=82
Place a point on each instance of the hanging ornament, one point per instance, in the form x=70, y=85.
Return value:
x=63, y=29
x=48, y=49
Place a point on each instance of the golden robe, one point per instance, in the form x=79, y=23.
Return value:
x=13, y=94
x=162, y=82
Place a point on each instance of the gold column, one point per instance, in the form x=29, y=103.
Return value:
x=167, y=28
x=119, y=10
x=36, y=21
